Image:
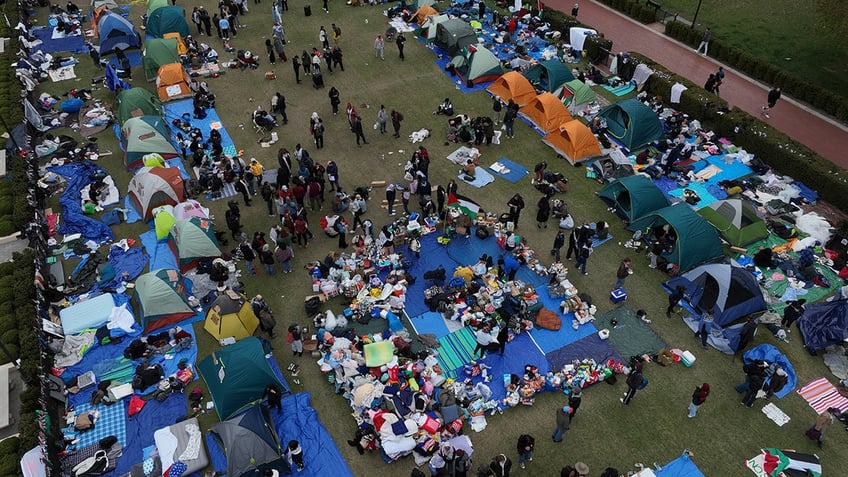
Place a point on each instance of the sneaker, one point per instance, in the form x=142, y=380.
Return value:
x=621, y=400
x=767, y=116
x=522, y=465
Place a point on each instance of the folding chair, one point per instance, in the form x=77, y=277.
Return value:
x=258, y=128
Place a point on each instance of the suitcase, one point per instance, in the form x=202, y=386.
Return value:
x=307, y=10
x=618, y=295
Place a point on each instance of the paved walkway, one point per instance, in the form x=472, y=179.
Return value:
x=821, y=134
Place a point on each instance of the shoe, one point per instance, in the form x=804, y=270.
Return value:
x=530, y=460
x=767, y=116
x=621, y=400
x=667, y=314
x=585, y=273
x=522, y=464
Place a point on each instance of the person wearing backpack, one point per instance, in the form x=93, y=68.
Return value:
x=583, y=256
x=635, y=381
x=294, y=338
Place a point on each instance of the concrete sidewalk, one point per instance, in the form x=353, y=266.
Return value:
x=820, y=133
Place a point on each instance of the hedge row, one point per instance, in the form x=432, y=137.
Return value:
x=596, y=46
x=638, y=10
x=797, y=88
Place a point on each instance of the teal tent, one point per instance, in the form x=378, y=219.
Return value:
x=633, y=197
x=476, y=64
x=575, y=94
x=158, y=52
x=453, y=35
x=138, y=102
x=736, y=220
x=549, y=75
x=160, y=298
x=696, y=240
x=237, y=376
x=632, y=123
x=250, y=442
x=167, y=20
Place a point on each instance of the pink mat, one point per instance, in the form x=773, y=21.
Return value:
x=821, y=395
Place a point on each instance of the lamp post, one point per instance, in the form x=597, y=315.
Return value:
x=697, y=10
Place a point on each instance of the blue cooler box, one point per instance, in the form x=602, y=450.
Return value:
x=618, y=295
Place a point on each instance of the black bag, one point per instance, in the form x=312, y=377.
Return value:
x=307, y=10
x=312, y=305
x=482, y=233
x=267, y=321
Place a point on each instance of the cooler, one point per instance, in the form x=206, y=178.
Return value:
x=618, y=295
x=688, y=359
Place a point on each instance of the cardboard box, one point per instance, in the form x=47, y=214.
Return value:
x=322, y=297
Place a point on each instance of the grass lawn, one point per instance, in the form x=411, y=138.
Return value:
x=785, y=33
x=653, y=428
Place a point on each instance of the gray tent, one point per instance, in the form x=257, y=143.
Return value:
x=453, y=35
x=249, y=440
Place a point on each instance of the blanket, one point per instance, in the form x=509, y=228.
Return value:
x=481, y=178
x=511, y=171
x=62, y=73
x=821, y=395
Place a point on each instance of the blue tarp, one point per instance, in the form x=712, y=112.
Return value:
x=824, y=324
x=771, y=354
x=591, y=346
x=73, y=44
x=176, y=110
x=680, y=467
x=516, y=171
x=519, y=352
x=161, y=255
x=78, y=175
x=127, y=266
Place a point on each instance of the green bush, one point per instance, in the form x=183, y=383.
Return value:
x=695, y=100
x=597, y=47
x=737, y=58
x=8, y=323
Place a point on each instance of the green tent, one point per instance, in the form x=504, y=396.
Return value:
x=144, y=135
x=138, y=102
x=237, y=376
x=633, y=197
x=161, y=300
x=153, y=5
x=549, y=75
x=736, y=220
x=476, y=64
x=167, y=20
x=193, y=239
x=576, y=93
x=422, y=3
x=632, y=123
x=453, y=35
x=430, y=27
x=158, y=52
x=697, y=241
x=163, y=220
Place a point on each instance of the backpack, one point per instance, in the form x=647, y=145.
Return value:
x=644, y=383
x=290, y=337
x=585, y=252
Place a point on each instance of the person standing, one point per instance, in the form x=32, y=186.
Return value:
x=397, y=117
x=337, y=35
x=574, y=400
x=338, y=58
x=379, y=47
x=333, y=176
x=823, y=420
x=382, y=119
x=283, y=254
x=241, y=187
x=719, y=79
x=526, y=444
x=497, y=107
x=704, y=327
x=710, y=84
x=325, y=7
x=274, y=396
x=295, y=337
x=266, y=256
x=543, y=211
x=461, y=463
x=248, y=255
x=318, y=133
x=699, y=397
x=563, y=423
x=335, y=99
x=391, y=194
x=622, y=273
x=515, y=204
x=341, y=228
x=705, y=41
x=794, y=310
x=559, y=241
x=216, y=22
x=501, y=466
x=401, y=41
x=484, y=340
x=634, y=380
x=301, y=231
x=295, y=454
x=503, y=338
x=357, y=130
x=296, y=67
x=583, y=256
x=573, y=244
x=773, y=96
x=205, y=20
x=358, y=207
x=224, y=26
x=322, y=37
x=747, y=334
x=674, y=300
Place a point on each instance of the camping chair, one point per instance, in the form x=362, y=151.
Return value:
x=258, y=127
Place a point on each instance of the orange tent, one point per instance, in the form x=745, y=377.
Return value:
x=182, y=49
x=513, y=85
x=574, y=141
x=422, y=13
x=173, y=82
x=546, y=112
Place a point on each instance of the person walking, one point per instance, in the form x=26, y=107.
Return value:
x=294, y=453
x=622, y=273
x=699, y=397
x=515, y=204
x=823, y=420
x=705, y=41
x=563, y=423
x=397, y=117
x=772, y=98
x=322, y=37
x=583, y=254
x=674, y=300
x=295, y=338
x=634, y=381
x=391, y=194
x=337, y=36
x=296, y=67
x=559, y=241
x=357, y=130
x=543, y=211
x=501, y=466
x=401, y=41
x=382, y=119
x=497, y=107
x=379, y=47
x=526, y=444
x=574, y=10
x=710, y=83
x=719, y=77
x=335, y=99
x=358, y=207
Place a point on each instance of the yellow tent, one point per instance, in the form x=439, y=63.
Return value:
x=231, y=316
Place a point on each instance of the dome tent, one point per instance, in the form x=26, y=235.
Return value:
x=161, y=299
x=549, y=75
x=230, y=317
x=146, y=135
x=167, y=19
x=453, y=35
x=546, y=112
x=575, y=94
x=115, y=31
x=138, y=102
x=192, y=240
x=151, y=187
x=513, y=85
x=632, y=123
x=163, y=220
x=633, y=197
x=158, y=52
x=736, y=221
x=574, y=141
x=172, y=82
x=476, y=64
x=250, y=442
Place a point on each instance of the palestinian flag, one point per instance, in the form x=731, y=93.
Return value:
x=783, y=463
x=466, y=205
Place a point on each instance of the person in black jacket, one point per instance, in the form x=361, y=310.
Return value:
x=634, y=380
x=247, y=253
x=674, y=300
x=501, y=466
x=525, y=446
x=515, y=204
x=792, y=312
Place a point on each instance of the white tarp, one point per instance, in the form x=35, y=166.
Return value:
x=578, y=35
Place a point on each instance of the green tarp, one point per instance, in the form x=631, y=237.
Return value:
x=630, y=336
x=697, y=241
x=632, y=123
x=549, y=75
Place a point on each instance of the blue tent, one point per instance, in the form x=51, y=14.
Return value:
x=116, y=31
x=824, y=324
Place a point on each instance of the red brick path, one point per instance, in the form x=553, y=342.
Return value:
x=824, y=137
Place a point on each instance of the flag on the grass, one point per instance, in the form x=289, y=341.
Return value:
x=466, y=205
x=782, y=463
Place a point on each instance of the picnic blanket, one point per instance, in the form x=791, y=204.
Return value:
x=62, y=73
x=112, y=422
x=506, y=169
x=455, y=350
x=481, y=178
x=821, y=395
